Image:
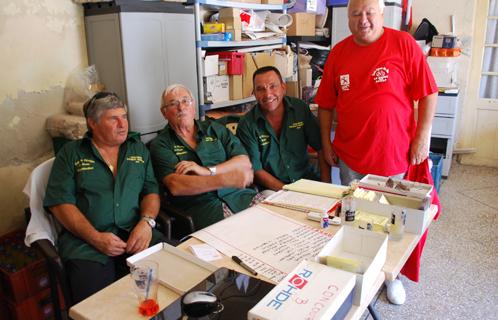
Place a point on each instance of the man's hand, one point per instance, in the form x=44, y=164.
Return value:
x=419, y=150
x=238, y=178
x=139, y=238
x=190, y=167
x=109, y=244
x=329, y=154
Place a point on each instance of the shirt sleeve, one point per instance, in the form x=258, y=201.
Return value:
x=326, y=96
x=233, y=146
x=248, y=137
x=150, y=183
x=421, y=79
x=312, y=129
x=61, y=187
x=163, y=158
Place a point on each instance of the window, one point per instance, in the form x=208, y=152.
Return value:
x=489, y=73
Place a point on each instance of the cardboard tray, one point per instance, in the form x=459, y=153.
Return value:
x=178, y=270
x=366, y=246
x=417, y=189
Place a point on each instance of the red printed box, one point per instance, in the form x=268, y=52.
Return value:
x=235, y=61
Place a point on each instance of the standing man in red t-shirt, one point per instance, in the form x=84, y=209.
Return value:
x=372, y=79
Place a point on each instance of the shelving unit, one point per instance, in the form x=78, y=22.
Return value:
x=215, y=5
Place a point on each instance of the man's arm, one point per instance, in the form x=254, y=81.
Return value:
x=233, y=173
x=325, y=117
x=419, y=148
x=141, y=235
x=267, y=180
x=324, y=168
x=74, y=221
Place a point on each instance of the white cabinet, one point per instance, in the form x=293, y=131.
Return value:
x=139, y=48
x=444, y=127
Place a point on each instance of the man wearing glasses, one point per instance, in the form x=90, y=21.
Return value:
x=203, y=166
x=103, y=191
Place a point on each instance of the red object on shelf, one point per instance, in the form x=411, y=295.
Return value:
x=235, y=61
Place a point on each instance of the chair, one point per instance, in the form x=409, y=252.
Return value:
x=42, y=232
x=181, y=223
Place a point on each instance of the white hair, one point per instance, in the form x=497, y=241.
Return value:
x=172, y=88
x=381, y=5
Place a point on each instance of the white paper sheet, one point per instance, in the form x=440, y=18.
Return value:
x=268, y=242
x=301, y=201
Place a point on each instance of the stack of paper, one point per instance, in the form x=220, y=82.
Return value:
x=317, y=188
x=301, y=201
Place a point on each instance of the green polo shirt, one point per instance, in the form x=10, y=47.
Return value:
x=215, y=144
x=111, y=204
x=284, y=157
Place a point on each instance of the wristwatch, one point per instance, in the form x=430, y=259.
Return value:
x=150, y=221
x=212, y=170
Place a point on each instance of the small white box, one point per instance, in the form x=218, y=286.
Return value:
x=310, y=291
x=210, y=65
x=366, y=246
x=445, y=70
x=416, y=216
x=216, y=89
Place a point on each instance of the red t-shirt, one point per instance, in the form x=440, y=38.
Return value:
x=372, y=89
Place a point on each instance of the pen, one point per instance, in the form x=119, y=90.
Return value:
x=243, y=265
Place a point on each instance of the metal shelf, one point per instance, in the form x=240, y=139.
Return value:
x=245, y=43
x=216, y=4
x=212, y=106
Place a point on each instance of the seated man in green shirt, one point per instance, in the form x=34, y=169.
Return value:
x=203, y=166
x=103, y=191
x=277, y=132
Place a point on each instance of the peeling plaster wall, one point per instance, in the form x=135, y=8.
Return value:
x=42, y=42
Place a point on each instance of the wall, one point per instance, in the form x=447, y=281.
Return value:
x=42, y=42
x=438, y=13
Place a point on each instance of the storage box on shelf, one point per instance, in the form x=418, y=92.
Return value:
x=238, y=63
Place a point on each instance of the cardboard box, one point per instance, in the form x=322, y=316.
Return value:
x=272, y=1
x=250, y=1
x=229, y=13
x=305, y=77
x=236, y=34
x=292, y=89
x=213, y=27
x=370, y=248
x=379, y=183
x=231, y=23
x=235, y=87
x=210, y=67
x=216, y=89
x=310, y=291
x=303, y=24
x=222, y=67
x=278, y=59
x=249, y=68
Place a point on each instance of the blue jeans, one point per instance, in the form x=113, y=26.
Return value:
x=347, y=174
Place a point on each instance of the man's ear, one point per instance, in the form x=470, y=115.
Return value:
x=91, y=124
x=284, y=86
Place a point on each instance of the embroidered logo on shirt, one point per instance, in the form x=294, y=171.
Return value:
x=380, y=74
x=297, y=125
x=84, y=164
x=344, y=80
x=264, y=139
x=179, y=150
x=136, y=159
x=209, y=139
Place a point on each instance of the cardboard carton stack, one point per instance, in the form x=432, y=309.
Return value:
x=231, y=18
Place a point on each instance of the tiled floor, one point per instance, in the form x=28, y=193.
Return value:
x=459, y=273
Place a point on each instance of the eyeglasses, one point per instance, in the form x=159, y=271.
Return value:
x=91, y=103
x=176, y=103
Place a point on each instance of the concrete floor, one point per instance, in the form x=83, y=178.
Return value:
x=459, y=273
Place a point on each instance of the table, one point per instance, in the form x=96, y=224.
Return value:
x=120, y=297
